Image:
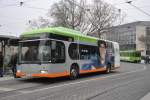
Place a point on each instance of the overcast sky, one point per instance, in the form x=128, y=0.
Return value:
x=14, y=18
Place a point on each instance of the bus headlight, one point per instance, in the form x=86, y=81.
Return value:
x=44, y=71
x=18, y=71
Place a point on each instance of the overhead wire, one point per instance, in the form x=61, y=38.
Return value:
x=37, y=8
x=130, y=3
x=21, y=4
x=11, y=5
x=24, y=4
x=138, y=8
x=30, y=0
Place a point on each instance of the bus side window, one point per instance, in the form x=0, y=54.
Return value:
x=73, y=51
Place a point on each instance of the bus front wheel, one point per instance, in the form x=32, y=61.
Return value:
x=74, y=72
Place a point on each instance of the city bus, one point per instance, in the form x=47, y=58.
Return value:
x=58, y=51
x=130, y=56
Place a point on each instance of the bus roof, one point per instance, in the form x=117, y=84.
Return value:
x=77, y=35
x=61, y=31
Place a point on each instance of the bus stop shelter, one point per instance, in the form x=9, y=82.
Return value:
x=6, y=40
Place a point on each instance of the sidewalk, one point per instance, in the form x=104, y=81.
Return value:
x=6, y=77
x=146, y=97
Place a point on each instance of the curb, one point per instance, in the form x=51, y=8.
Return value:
x=5, y=78
x=146, y=97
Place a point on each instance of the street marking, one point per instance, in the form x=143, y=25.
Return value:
x=63, y=85
x=144, y=68
x=6, y=78
x=6, y=89
x=107, y=89
x=146, y=97
x=115, y=87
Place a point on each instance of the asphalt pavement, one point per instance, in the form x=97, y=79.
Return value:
x=130, y=82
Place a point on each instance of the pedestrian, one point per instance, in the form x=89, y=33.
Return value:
x=13, y=63
x=147, y=59
x=1, y=64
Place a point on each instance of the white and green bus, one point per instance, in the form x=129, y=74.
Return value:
x=57, y=51
x=131, y=56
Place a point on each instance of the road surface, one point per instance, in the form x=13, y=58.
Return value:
x=130, y=82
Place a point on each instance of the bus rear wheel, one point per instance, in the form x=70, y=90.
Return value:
x=74, y=72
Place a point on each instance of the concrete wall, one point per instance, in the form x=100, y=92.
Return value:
x=140, y=46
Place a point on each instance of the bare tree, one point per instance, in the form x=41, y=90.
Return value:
x=40, y=22
x=77, y=14
x=69, y=13
x=102, y=16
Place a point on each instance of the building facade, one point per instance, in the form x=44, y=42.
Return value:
x=131, y=36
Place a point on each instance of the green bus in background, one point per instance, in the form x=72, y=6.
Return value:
x=130, y=56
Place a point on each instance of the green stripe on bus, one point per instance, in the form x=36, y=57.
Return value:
x=62, y=31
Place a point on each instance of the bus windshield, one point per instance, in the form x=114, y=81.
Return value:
x=42, y=51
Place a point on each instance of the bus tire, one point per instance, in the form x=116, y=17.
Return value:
x=17, y=77
x=108, y=69
x=74, y=72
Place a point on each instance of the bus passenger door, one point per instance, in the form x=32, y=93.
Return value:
x=116, y=55
x=58, y=57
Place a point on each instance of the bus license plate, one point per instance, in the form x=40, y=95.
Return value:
x=28, y=75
